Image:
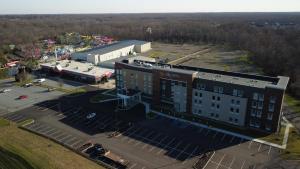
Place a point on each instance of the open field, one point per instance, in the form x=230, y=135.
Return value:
x=205, y=56
x=23, y=149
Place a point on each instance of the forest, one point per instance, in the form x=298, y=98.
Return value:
x=272, y=39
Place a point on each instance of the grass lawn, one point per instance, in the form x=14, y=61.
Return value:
x=292, y=151
x=276, y=138
x=293, y=103
x=21, y=149
x=64, y=90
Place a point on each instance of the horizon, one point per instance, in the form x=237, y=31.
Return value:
x=29, y=7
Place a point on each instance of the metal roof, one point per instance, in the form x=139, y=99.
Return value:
x=112, y=47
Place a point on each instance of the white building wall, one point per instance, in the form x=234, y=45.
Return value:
x=220, y=108
x=116, y=54
x=143, y=48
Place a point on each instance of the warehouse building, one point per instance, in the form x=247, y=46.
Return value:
x=240, y=100
x=85, y=72
x=112, y=51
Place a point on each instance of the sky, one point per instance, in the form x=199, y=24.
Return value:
x=143, y=6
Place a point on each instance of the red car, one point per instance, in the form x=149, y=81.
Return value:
x=23, y=97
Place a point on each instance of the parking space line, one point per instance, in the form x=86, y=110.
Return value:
x=243, y=164
x=143, y=131
x=233, y=159
x=50, y=131
x=249, y=147
x=63, y=137
x=165, y=146
x=159, y=143
x=174, y=148
x=259, y=147
x=45, y=129
x=77, y=142
x=190, y=155
x=59, y=135
x=209, y=160
x=71, y=141
x=131, y=167
x=149, y=134
x=154, y=138
x=54, y=133
x=269, y=150
x=221, y=161
x=129, y=134
x=183, y=150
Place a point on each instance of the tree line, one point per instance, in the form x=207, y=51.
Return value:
x=272, y=39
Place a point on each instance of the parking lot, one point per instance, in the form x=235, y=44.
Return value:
x=144, y=143
x=10, y=102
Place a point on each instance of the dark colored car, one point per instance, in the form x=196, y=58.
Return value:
x=95, y=151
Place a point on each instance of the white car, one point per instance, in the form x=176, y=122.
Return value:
x=5, y=90
x=40, y=80
x=91, y=115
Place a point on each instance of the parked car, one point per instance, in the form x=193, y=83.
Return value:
x=22, y=97
x=27, y=85
x=39, y=80
x=91, y=115
x=96, y=150
x=5, y=90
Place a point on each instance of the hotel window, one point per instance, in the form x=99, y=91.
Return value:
x=238, y=102
x=270, y=116
x=237, y=110
x=218, y=89
x=230, y=119
x=232, y=101
x=200, y=101
x=258, y=113
x=254, y=104
x=195, y=101
x=260, y=105
x=252, y=123
x=255, y=96
x=218, y=98
x=196, y=93
x=231, y=109
x=213, y=97
x=261, y=97
x=257, y=124
x=213, y=105
x=212, y=114
x=200, y=94
x=218, y=106
x=271, y=107
x=235, y=92
x=217, y=115
x=199, y=111
x=272, y=99
x=236, y=121
x=253, y=112
x=201, y=86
